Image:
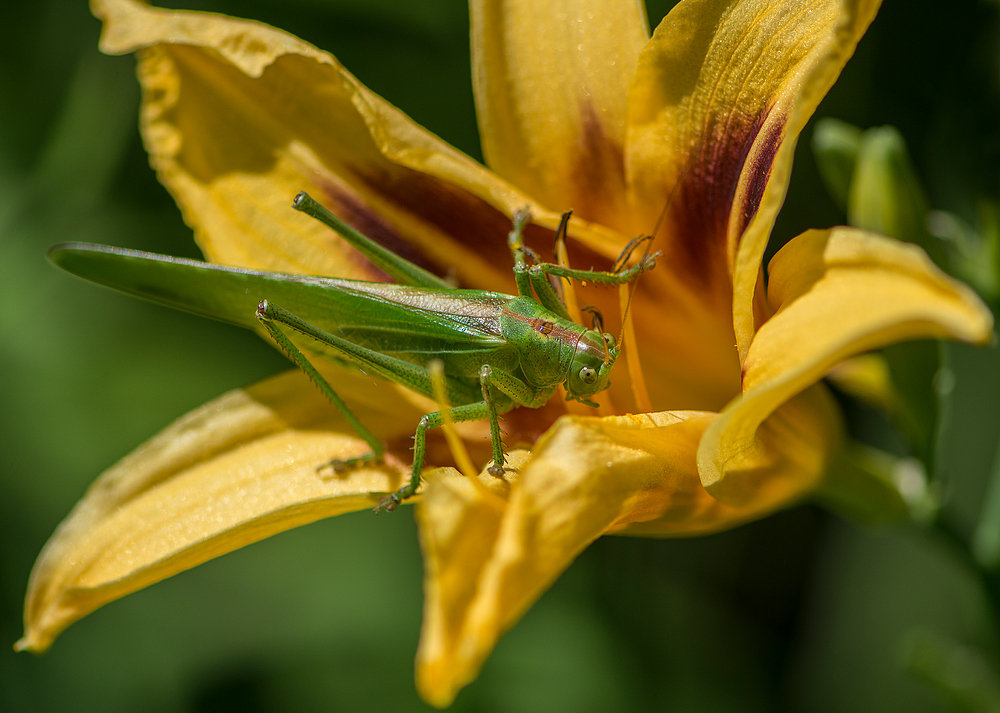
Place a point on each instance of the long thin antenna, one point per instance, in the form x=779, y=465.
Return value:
x=627, y=253
x=625, y=294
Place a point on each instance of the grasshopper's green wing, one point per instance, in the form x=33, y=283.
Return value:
x=411, y=324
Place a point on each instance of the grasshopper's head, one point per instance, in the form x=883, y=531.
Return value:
x=591, y=367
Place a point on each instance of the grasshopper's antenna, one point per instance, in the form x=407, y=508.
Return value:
x=649, y=239
x=639, y=392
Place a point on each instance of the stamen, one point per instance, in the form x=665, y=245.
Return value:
x=455, y=443
x=638, y=381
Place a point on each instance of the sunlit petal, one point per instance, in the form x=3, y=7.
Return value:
x=835, y=293
x=721, y=93
x=238, y=117
x=458, y=529
x=587, y=476
x=238, y=469
x=551, y=81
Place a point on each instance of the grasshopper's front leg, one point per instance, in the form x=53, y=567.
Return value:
x=535, y=278
x=617, y=275
x=268, y=314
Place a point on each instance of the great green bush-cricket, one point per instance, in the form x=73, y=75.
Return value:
x=498, y=351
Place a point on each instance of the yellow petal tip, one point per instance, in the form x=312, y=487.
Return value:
x=32, y=642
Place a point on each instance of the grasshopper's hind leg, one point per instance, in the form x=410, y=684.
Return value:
x=268, y=314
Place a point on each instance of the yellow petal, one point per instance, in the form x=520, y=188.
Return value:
x=835, y=293
x=458, y=528
x=587, y=477
x=239, y=469
x=550, y=82
x=720, y=95
x=686, y=346
x=784, y=460
x=238, y=117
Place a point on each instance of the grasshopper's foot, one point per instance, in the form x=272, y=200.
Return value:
x=388, y=503
x=497, y=471
x=391, y=502
x=339, y=466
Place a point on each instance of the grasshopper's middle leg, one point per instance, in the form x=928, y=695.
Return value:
x=467, y=412
x=268, y=314
x=510, y=386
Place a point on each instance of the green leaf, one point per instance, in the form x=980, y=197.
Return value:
x=835, y=145
x=886, y=195
x=873, y=487
x=959, y=672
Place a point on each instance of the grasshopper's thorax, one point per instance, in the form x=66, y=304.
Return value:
x=553, y=350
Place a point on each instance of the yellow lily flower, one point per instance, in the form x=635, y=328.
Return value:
x=578, y=108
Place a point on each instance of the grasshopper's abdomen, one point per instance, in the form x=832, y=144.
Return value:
x=545, y=342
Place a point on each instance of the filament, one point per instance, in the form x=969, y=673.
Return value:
x=638, y=381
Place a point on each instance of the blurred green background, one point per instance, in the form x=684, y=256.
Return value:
x=800, y=612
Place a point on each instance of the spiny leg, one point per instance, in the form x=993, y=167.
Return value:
x=537, y=279
x=507, y=384
x=616, y=276
x=268, y=314
x=499, y=457
x=517, y=391
x=467, y=412
x=515, y=241
x=543, y=291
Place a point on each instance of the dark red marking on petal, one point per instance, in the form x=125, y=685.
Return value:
x=465, y=218
x=702, y=205
x=598, y=175
x=349, y=207
x=760, y=171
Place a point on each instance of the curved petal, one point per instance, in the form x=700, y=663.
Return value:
x=238, y=117
x=550, y=82
x=720, y=95
x=238, y=469
x=835, y=293
x=587, y=477
x=458, y=529
x=787, y=458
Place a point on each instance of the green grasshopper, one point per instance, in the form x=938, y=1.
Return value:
x=499, y=351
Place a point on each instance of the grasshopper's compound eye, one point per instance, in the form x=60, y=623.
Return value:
x=588, y=375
